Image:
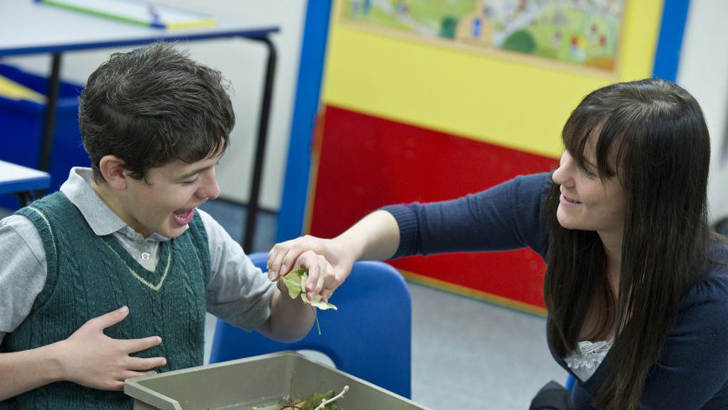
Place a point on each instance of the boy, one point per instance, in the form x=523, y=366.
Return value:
x=110, y=278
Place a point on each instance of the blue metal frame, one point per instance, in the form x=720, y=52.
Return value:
x=308, y=97
x=669, y=44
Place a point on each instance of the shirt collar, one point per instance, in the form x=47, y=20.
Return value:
x=102, y=220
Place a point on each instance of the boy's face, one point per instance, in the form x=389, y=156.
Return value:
x=165, y=201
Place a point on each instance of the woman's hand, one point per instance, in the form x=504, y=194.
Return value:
x=375, y=237
x=328, y=263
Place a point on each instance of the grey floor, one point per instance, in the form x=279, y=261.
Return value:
x=466, y=354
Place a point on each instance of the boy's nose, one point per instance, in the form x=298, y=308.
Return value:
x=213, y=191
x=210, y=190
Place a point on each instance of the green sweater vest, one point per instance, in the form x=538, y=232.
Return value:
x=89, y=276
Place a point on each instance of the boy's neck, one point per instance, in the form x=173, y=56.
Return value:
x=115, y=202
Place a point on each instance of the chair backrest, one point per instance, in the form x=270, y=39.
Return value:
x=570, y=380
x=369, y=336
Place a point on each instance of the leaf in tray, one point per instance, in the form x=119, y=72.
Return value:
x=316, y=399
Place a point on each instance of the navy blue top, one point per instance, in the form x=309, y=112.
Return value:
x=692, y=371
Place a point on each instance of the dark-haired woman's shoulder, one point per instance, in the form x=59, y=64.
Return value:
x=717, y=266
x=713, y=287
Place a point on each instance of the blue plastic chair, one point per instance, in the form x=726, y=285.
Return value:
x=369, y=336
x=570, y=380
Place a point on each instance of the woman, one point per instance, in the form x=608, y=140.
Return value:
x=636, y=285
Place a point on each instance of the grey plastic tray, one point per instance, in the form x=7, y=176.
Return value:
x=259, y=381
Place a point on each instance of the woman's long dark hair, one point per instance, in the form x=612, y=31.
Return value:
x=651, y=136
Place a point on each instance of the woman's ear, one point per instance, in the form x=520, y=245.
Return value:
x=113, y=171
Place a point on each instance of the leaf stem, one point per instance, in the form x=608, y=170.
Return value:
x=338, y=396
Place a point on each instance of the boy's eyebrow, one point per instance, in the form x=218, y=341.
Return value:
x=196, y=171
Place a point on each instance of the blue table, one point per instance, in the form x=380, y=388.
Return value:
x=22, y=181
x=27, y=27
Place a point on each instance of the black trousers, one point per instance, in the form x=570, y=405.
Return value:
x=552, y=396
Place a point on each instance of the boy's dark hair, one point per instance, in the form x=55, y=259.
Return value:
x=151, y=106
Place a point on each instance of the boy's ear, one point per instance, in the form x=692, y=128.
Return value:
x=113, y=171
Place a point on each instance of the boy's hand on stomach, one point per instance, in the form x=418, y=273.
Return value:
x=92, y=359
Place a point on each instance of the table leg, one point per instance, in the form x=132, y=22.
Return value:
x=260, y=145
x=49, y=121
x=24, y=198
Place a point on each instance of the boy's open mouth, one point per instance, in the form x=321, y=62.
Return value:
x=183, y=217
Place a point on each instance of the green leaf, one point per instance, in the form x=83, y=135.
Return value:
x=317, y=302
x=316, y=398
x=294, y=282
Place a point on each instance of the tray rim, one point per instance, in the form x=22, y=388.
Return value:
x=132, y=386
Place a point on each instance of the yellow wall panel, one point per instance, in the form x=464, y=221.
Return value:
x=499, y=98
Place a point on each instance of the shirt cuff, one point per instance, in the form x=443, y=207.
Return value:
x=408, y=229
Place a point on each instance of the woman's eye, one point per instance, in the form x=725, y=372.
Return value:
x=588, y=173
x=190, y=182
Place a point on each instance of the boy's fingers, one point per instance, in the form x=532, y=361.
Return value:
x=110, y=319
x=137, y=345
x=130, y=375
x=146, y=364
x=116, y=385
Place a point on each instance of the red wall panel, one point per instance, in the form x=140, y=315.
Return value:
x=366, y=162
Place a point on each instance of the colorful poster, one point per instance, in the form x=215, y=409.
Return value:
x=578, y=32
x=409, y=117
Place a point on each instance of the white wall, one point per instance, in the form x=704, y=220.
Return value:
x=703, y=71
x=242, y=63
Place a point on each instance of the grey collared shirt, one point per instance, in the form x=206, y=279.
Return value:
x=237, y=291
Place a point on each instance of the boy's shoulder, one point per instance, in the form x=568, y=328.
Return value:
x=55, y=206
x=16, y=226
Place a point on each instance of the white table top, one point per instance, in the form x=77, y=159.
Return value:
x=16, y=178
x=27, y=27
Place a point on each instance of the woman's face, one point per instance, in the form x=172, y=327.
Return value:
x=587, y=202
